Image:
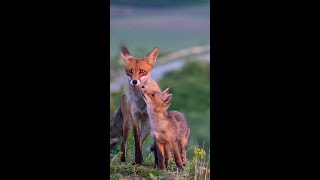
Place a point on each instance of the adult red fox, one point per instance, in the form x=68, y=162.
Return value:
x=169, y=129
x=132, y=111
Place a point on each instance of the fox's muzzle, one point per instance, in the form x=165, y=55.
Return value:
x=134, y=82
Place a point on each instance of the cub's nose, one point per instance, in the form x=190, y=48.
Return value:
x=134, y=82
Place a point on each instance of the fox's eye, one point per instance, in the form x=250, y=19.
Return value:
x=129, y=71
x=142, y=71
x=152, y=95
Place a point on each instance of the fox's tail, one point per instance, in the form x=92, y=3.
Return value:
x=116, y=125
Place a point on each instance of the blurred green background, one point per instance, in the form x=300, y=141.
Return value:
x=171, y=26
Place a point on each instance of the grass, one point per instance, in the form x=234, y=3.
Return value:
x=198, y=167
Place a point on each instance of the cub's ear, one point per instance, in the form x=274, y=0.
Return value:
x=125, y=54
x=166, y=92
x=168, y=99
x=152, y=56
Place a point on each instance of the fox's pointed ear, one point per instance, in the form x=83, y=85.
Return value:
x=125, y=54
x=166, y=92
x=168, y=99
x=152, y=56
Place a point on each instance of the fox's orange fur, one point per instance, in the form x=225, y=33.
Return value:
x=169, y=129
x=132, y=111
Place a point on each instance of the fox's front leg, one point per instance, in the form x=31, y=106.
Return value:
x=160, y=154
x=127, y=123
x=136, y=135
x=167, y=154
x=145, y=129
x=126, y=128
x=177, y=155
x=154, y=147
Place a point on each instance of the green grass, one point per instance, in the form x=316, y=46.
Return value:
x=190, y=87
x=197, y=167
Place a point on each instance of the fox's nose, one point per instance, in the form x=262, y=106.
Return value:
x=134, y=82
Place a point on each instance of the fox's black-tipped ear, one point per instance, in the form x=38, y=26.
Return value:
x=152, y=56
x=168, y=99
x=125, y=54
x=125, y=51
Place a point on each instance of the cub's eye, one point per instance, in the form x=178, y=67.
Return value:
x=152, y=95
x=129, y=71
x=142, y=71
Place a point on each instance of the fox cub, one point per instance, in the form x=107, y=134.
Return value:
x=169, y=129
